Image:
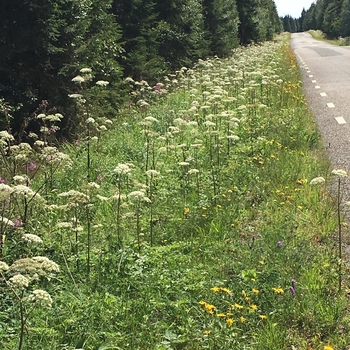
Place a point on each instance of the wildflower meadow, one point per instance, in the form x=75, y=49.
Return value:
x=200, y=217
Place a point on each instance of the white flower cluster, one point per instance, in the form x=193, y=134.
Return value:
x=5, y=192
x=40, y=297
x=3, y=266
x=6, y=221
x=19, y=281
x=32, y=239
x=5, y=136
x=46, y=264
x=102, y=83
x=317, y=180
x=339, y=173
x=20, y=179
x=122, y=169
x=75, y=196
x=139, y=196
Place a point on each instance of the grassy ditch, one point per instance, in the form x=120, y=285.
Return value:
x=197, y=219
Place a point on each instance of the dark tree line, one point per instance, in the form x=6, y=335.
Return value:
x=44, y=43
x=330, y=16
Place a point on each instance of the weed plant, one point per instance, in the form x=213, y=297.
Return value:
x=198, y=219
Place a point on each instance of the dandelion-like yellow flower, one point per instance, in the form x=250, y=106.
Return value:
x=186, y=211
x=206, y=332
x=242, y=319
x=263, y=317
x=215, y=289
x=278, y=290
x=237, y=306
x=328, y=347
x=208, y=307
x=226, y=290
x=255, y=291
x=254, y=307
x=230, y=321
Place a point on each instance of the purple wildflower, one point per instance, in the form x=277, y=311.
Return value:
x=292, y=291
x=31, y=166
x=279, y=244
x=293, y=283
x=17, y=223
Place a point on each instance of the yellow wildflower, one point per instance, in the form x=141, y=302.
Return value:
x=206, y=332
x=208, y=307
x=215, y=289
x=230, y=321
x=255, y=291
x=263, y=317
x=186, y=211
x=328, y=347
x=221, y=315
x=242, y=319
x=226, y=290
x=237, y=306
x=254, y=307
x=278, y=290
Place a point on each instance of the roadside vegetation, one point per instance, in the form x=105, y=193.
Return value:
x=200, y=218
x=319, y=35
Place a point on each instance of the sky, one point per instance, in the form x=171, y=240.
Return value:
x=292, y=7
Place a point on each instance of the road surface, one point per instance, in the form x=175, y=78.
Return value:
x=326, y=76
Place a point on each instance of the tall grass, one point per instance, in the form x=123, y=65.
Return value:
x=195, y=225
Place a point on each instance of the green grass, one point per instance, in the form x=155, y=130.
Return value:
x=319, y=35
x=194, y=227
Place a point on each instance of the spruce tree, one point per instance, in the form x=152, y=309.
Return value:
x=345, y=19
x=221, y=26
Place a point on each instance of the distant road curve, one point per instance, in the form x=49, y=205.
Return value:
x=326, y=77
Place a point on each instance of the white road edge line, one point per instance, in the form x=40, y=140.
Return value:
x=323, y=94
x=330, y=105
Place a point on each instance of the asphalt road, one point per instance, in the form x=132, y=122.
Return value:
x=326, y=77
